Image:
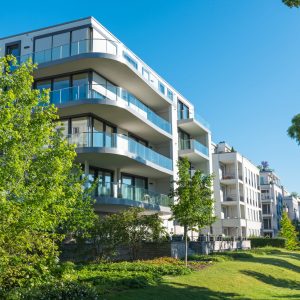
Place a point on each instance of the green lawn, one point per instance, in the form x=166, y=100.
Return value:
x=275, y=275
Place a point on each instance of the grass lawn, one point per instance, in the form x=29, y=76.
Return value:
x=258, y=275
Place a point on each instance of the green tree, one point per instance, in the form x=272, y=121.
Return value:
x=292, y=3
x=129, y=228
x=294, y=129
x=41, y=194
x=288, y=232
x=194, y=207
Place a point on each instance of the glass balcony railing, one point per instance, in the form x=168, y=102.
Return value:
x=129, y=192
x=193, y=144
x=111, y=92
x=97, y=46
x=122, y=142
x=201, y=120
x=143, y=195
x=185, y=114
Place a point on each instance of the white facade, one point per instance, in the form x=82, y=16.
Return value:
x=272, y=202
x=237, y=194
x=130, y=126
x=291, y=204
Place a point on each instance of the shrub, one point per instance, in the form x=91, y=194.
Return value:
x=157, y=269
x=56, y=290
x=208, y=258
x=264, y=242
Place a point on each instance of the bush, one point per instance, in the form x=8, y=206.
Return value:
x=208, y=258
x=264, y=242
x=57, y=290
x=142, y=266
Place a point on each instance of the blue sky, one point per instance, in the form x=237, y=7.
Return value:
x=237, y=61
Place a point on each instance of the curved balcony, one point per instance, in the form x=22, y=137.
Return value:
x=194, y=124
x=114, y=196
x=104, y=150
x=111, y=59
x=112, y=96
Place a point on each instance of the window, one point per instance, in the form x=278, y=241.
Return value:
x=61, y=45
x=146, y=74
x=184, y=140
x=161, y=88
x=170, y=95
x=14, y=49
x=134, y=187
x=182, y=111
x=267, y=223
x=105, y=181
x=266, y=209
x=61, y=90
x=130, y=60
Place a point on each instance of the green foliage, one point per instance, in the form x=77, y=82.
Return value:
x=66, y=290
x=194, y=207
x=41, y=197
x=130, y=228
x=294, y=129
x=209, y=258
x=258, y=242
x=288, y=231
x=292, y=3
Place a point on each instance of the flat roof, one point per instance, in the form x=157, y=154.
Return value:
x=52, y=26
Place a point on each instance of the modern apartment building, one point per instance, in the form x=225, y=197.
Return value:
x=130, y=126
x=292, y=204
x=237, y=194
x=272, y=202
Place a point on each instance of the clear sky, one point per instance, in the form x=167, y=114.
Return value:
x=237, y=61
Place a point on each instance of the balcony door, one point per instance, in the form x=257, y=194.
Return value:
x=133, y=187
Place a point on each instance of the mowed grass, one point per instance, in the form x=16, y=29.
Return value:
x=270, y=274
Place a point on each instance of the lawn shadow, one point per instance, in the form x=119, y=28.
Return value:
x=278, y=282
x=173, y=290
x=268, y=261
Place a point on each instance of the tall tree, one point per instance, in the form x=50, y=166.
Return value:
x=41, y=194
x=288, y=231
x=194, y=202
x=292, y=3
x=294, y=129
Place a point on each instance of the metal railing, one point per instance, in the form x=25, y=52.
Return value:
x=193, y=144
x=111, y=92
x=122, y=142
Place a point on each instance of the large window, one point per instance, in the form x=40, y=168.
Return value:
x=105, y=181
x=133, y=187
x=61, y=45
x=66, y=88
x=266, y=209
x=183, y=111
x=89, y=132
x=184, y=140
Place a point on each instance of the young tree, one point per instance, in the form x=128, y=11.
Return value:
x=288, y=232
x=41, y=195
x=194, y=207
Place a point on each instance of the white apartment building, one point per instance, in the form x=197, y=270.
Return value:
x=272, y=202
x=130, y=125
x=292, y=205
x=237, y=194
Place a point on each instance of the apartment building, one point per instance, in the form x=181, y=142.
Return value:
x=237, y=194
x=272, y=202
x=130, y=126
x=292, y=205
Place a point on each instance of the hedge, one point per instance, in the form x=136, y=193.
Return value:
x=264, y=242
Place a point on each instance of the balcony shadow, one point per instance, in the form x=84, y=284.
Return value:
x=277, y=282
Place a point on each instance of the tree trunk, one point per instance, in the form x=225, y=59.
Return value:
x=186, y=245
